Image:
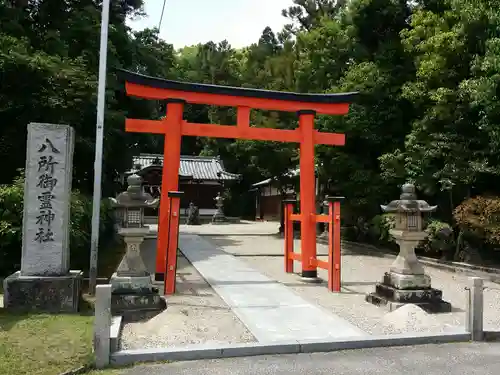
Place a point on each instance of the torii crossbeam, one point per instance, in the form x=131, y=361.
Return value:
x=173, y=127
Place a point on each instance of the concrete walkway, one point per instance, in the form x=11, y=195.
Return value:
x=270, y=310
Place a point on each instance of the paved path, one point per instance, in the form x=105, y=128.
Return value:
x=446, y=359
x=270, y=310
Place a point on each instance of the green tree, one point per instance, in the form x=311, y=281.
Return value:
x=359, y=50
x=453, y=144
x=49, y=54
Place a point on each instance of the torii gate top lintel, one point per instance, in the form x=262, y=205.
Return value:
x=158, y=88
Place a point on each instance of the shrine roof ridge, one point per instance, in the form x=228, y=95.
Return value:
x=161, y=83
x=146, y=156
x=194, y=167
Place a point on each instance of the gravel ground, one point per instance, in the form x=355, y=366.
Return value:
x=360, y=273
x=195, y=314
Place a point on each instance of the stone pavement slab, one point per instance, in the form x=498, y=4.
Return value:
x=443, y=359
x=270, y=310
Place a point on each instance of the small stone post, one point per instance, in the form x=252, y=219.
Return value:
x=102, y=325
x=474, y=308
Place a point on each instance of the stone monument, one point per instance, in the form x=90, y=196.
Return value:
x=193, y=215
x=406, y=282
x=219, y=217
x=45, y=282
x=132, y=288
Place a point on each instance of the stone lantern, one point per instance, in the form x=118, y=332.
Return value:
x=406, y=281
x=219, y=216
x=131, y=283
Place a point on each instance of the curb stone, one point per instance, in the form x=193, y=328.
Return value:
x=211, y=351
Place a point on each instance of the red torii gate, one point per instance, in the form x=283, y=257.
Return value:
x=173, y=127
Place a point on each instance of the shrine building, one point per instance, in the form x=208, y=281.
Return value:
x=269, y=197
x=200, y=179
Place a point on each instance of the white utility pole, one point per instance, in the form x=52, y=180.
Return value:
x=99, y=135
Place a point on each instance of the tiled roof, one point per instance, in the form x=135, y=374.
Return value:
x=196, y=167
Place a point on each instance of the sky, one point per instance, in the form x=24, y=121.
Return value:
x=189, y=22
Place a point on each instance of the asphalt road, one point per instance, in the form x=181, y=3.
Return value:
x=443, y=359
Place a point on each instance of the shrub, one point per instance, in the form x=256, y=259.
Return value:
x=11, y=225
x=380, y=226
x=440, y=239
x=11, y=215
x=348, y=233
x=480, y=217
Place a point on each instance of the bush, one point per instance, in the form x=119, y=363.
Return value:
x=380, y=226
x=11, y=217
x=480, y=217
x=440, y=239
x=11, y=225
x=349, y=233
x=478, y=223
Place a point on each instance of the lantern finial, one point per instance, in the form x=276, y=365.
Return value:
x=408, y=192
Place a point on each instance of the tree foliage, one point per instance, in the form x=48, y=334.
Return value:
x=428, y=74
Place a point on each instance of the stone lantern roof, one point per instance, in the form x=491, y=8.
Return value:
x=135, y=195
x=408, y=202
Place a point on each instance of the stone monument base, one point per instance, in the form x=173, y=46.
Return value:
x=50, y=294
x=400, y=289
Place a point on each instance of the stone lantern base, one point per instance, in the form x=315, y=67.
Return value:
x=132, y=289
x=406, y=282
x=397, y=290
x=219, y=217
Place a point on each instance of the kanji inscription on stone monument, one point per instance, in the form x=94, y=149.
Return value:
x=47, y=195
